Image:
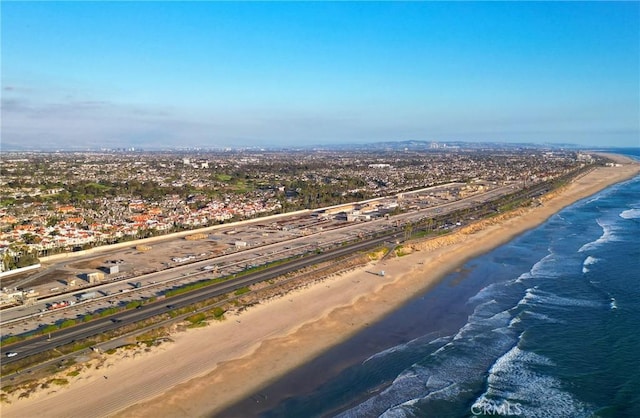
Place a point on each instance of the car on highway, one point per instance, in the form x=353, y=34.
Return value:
x=12, y=354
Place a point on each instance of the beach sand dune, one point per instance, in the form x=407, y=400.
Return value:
x=207, y=369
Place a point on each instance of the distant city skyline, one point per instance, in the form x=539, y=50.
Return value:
x=157, y=75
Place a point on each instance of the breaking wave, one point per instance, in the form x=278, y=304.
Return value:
x=517, y=381
x=608, y=235
x=630, y=214
x=536, y=296
x=588, y=262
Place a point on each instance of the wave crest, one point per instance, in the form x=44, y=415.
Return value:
x=588, y=262
x=517, y=379
x=630, y=214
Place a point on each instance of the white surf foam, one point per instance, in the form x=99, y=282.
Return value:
x=515, y=321
x=515, y=381
x=487, y=316
x=405, y=409
x=386, y=352
x=595, y=199
x=424, y=339
x=542, y=317
x=608, y=235
x=458, y=362
x=588, y=262
x=463, y=359
x=535, y=296
x=630, y=214
x=490, y=332
x=542, y=269
x=523, y=277
x=484, y=294
x=399, y=411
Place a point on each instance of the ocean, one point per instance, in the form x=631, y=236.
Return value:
x=547, y=325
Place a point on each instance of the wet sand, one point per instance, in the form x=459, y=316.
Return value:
x=207, y=369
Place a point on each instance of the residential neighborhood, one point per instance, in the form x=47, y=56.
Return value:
x=57, y=202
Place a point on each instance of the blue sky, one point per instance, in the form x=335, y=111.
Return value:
x=218, y=74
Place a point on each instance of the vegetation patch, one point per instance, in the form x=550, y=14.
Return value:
x=402, y=251
x=218, y=313
x=67, y=323
x=197, y=320
x=377, y=254
x=11, y=339
x=242, y=291
x=60, y=381
x=151, y=335
x=9, y=388
x=133, y=304
x=223, y=177
x=192, y=286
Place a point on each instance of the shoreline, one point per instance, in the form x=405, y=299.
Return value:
x=206, y=370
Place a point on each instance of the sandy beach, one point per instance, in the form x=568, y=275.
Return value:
x=206, y=369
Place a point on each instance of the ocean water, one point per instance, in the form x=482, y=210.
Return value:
x=547, y=325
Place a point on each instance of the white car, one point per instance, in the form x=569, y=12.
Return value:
x=11, y=354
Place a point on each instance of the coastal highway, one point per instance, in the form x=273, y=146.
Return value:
x=68, y=335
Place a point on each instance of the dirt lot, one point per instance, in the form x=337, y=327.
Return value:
x=52, y=279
